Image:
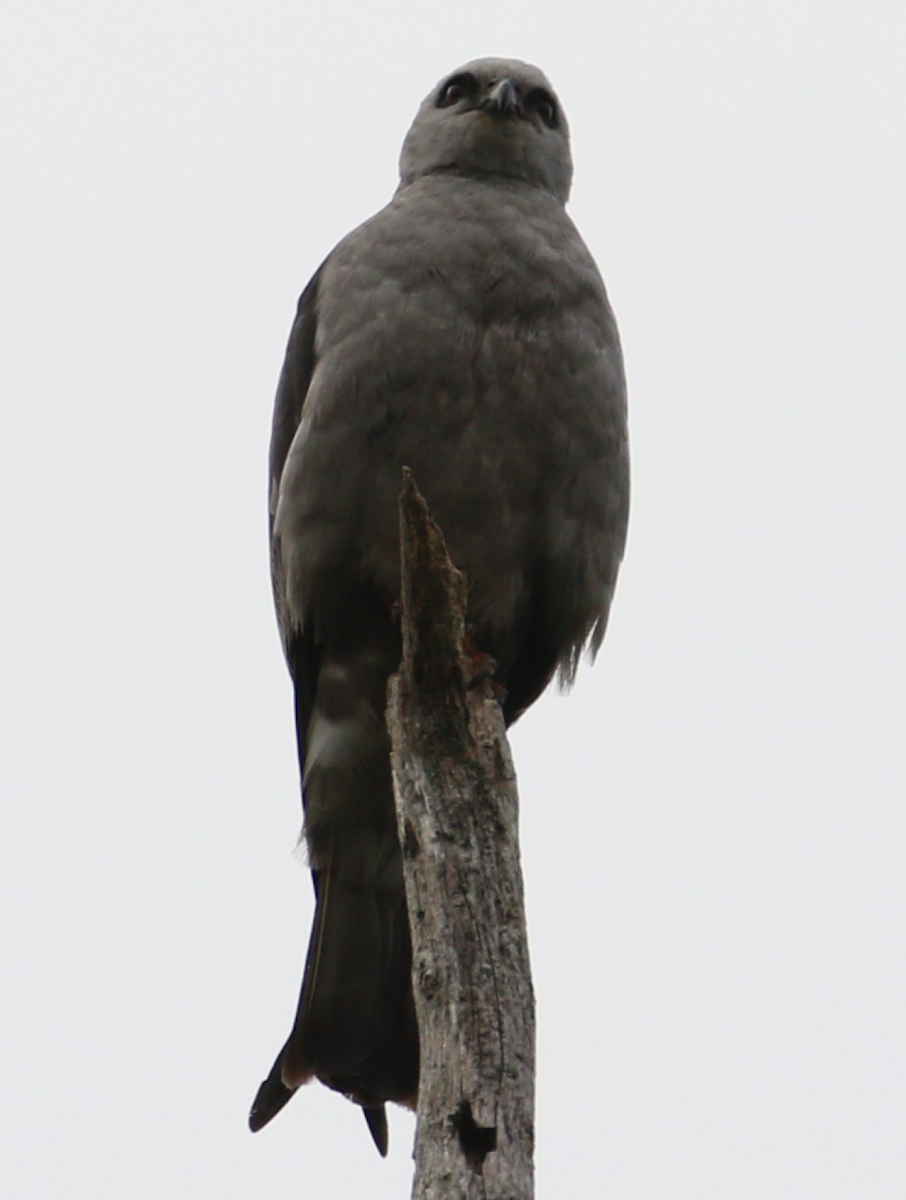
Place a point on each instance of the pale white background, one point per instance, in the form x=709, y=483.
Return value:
x=713, y=823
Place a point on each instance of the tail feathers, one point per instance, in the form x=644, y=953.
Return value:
x=344, y=991
x=273, y=1095
x=355, y=1026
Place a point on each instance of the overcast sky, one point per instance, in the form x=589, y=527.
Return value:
x=713, y=823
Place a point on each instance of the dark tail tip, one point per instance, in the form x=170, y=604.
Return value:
x=272, y=1096
x=377, y=1123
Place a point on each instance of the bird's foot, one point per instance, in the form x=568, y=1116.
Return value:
x=481, y=666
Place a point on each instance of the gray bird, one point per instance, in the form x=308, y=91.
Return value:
x=464, y=331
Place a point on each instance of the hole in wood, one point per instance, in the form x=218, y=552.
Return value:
x=477, y=1141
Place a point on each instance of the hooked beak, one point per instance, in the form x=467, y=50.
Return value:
x=503, y=100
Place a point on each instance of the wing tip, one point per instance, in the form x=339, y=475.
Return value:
x=271, y=1097
x=376, y=1120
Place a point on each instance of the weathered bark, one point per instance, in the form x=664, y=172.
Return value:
x=458, y=810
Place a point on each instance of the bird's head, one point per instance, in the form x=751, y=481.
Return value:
x=494, y=116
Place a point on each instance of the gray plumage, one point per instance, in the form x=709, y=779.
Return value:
x=464, y=332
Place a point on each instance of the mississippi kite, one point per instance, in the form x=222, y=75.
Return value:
x=464, y=332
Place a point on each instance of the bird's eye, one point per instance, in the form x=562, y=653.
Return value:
x=544, y=105
x=456, y=89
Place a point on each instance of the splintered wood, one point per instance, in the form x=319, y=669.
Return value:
x=457, y=807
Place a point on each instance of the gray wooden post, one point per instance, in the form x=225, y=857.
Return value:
x=457, y=807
